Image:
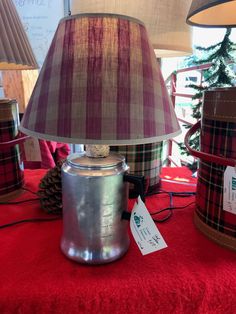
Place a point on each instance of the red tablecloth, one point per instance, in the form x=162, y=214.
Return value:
x=192, y=275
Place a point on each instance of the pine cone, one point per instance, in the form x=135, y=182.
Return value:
x=50, y=190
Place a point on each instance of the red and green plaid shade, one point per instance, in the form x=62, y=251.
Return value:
x=100, y=84
x=144, y=160
x=11, y=165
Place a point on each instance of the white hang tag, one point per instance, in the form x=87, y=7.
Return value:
x=229, y=197
x=144, y=230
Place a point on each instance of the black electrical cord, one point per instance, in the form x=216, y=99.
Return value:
x=28, y=190
x=127, y=216
x=24, y=201
x=162, y=210
x=180, y=194
x=19, y=202
x=171, y=207
x=42, y=219
x=29, y=220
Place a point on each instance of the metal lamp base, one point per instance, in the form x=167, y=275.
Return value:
x=103, y=255
x=95, y=195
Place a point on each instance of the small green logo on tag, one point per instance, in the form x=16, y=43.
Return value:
x=233, y=183
x=138, y=220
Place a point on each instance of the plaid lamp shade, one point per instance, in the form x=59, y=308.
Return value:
x=11, y=165
x=144, y=160
x=100, y=84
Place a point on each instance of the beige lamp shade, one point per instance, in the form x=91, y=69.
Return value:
x=15, y=49
x=212, y=13
x=164, y=20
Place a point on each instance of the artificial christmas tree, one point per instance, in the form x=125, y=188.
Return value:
x=219, y=74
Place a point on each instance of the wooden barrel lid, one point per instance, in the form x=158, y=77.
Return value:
x=219, y=104
x=8, y=109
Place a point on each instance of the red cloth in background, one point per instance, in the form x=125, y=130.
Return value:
x=51, y=152
x=192, y=275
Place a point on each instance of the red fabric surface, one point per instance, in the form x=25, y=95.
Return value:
x=192, y=275
x=50, y=153
x=48, y=149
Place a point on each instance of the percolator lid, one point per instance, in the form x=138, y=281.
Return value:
x=80, y=160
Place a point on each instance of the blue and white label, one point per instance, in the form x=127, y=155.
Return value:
x=144, y=230
x=229, y=197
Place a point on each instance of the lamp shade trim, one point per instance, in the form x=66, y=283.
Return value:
x=206, y=5
x=100, y=84
x=100, y=142
x=212, y=13
x=87, y=15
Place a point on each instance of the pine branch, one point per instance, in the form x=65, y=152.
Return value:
x=207, y=48
x=197, y=96
x=197, y=87
x=218, y=75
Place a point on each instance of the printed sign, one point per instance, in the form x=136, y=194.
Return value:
x=40, y=19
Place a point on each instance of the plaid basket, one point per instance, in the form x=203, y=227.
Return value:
x=11, y=165
x=144, y=160
x=218, y=150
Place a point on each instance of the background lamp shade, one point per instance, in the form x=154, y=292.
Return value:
x=15, y=49
x=212, y=13
x=100, y=84
x=164, y=20
x=143, y=160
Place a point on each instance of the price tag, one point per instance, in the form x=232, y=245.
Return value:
x=144, y=230
x=229, y=197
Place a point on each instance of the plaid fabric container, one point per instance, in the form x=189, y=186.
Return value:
x=218, y=140
x=145, y=160
x=11, y=165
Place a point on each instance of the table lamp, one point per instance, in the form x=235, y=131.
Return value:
x=15, y=54
x=100, y=84
x=212, y=13
x=171, y=37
